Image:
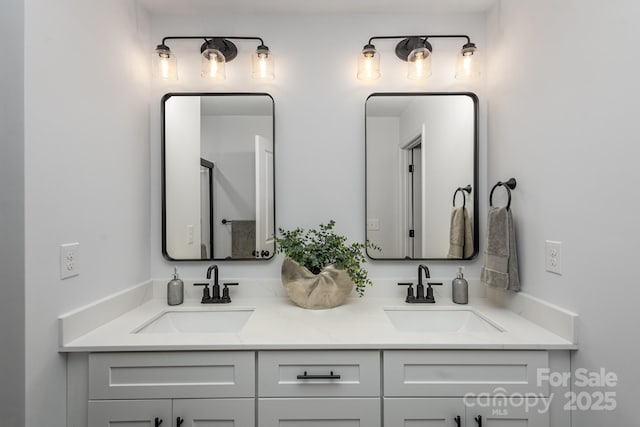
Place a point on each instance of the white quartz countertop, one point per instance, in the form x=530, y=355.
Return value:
x=276, y=323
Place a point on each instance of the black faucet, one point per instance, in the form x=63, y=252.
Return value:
x=215, y=298
x=420, y=296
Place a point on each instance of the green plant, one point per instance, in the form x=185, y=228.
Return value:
x=316, y=249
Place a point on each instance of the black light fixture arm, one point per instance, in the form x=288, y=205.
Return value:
x=207, y=38
x=221, y=43
x=408, y=43
x=425, y=37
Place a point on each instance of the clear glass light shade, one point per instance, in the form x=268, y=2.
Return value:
x=213, y=65
x=368, y=64
x=419, y=64
x=164, y=64
x=262, y=66
x=468, y=66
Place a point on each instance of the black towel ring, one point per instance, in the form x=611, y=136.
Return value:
x=508, y=185
x=464, y=197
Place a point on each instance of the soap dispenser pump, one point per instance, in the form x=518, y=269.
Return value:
x=175, y=290
x=460, y=288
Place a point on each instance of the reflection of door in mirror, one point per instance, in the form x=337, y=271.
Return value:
x=265, y=232
x=419, y=149
x=206, y=208
x=211, y=213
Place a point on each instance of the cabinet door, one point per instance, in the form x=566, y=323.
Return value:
x=511, y=412
x=129, y=413
x=407, y=412
x=307, y=412
x=214, y=412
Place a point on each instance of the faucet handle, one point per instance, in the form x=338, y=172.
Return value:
x=430, y=290
x=225, y=292
x=410, y=295
x=206, y=295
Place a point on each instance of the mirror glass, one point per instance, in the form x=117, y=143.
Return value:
x=218, y=176
x=421, y=149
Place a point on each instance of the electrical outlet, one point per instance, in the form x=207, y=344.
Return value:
x=69, y=266
x=553, y=257
x=190, y=234
x=373, y=224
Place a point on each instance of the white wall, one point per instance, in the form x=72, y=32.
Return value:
x=319, y=112
x=563, y=120
x=86, y=171
x=12, y=274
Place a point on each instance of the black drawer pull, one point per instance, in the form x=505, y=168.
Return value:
x=157, y=421
x=458, y=421
x=331, y=376
x=479, y=420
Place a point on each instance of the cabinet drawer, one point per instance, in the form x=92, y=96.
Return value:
x=455, y=373
x=185, y=374
x=328, y=373
x=312, y=412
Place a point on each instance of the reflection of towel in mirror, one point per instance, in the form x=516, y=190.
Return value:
x=500, y=268
x=460, y=234
x=243, y=238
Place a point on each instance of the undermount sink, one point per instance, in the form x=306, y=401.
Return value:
x=197, y=321
x=439, y=320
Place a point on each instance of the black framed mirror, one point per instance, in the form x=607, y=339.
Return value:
x=218, y=176
x=421, y=171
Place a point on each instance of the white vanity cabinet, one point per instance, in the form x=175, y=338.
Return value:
x=319, y=388
x=172, y=389
x=465, y=388
x=313, y=388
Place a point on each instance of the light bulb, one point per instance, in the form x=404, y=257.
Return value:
x=368, y=63
x=164, y=63
x=262, y=66
x=468, y=65
x=213, y=64
x=419, y=64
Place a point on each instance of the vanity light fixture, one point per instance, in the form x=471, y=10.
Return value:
x=417, y=52
x=215, y=52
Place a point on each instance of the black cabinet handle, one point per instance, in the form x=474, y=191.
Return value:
x=158, y=421
x=331, y=376
x=479, y=420
x=179, y=421
x=457, y=419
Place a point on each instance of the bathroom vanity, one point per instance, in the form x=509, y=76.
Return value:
x=371, y=362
